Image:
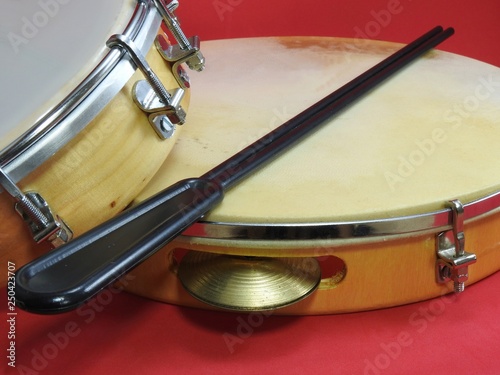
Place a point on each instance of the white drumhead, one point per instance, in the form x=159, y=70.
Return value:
x=47, y=48
x=428, y=135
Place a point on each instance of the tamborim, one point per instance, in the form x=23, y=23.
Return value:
x=83, y=130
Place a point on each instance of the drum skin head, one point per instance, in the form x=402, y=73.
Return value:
x=412, y=144
x=40, y=64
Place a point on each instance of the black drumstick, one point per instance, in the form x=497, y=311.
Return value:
x=71, y=274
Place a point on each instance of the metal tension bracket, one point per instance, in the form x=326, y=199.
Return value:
x=37, y=214
x=453, y=261
x=186, y=51
x=163, y=107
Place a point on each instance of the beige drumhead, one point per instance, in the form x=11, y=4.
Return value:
x=47, y=48
x=428, y=135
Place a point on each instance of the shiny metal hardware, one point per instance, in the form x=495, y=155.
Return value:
x=453, y=261
x=37, y=214
x=355, y=231
x=151, y=95
x=186, y=51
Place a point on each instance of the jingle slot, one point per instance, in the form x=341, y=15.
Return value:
x=333, y=271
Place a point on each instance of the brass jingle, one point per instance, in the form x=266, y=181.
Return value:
x=248, y=283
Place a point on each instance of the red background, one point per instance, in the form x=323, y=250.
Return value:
x=126, y=334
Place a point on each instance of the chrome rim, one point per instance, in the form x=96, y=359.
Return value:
x=432, y=222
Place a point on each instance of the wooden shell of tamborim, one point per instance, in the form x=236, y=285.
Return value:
x=98, y=173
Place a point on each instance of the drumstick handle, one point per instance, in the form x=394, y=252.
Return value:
x=61, y=280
